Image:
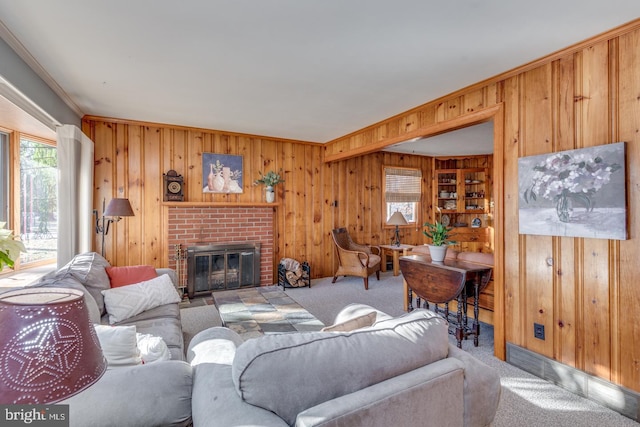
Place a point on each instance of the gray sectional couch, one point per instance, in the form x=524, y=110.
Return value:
x=398, y=372
x=395, y=372
x=156, y=394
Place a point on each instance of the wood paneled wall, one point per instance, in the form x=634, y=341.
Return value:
x=130, y=158
x=588, y=300
x=586, y=95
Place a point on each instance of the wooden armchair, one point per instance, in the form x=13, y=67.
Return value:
x=355, y=259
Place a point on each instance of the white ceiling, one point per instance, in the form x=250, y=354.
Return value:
x=472, y=140
x=308, y=70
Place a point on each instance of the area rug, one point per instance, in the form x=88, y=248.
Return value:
x=263, y=310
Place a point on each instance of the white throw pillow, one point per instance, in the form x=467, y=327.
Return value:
x=127, y=301
x=119, y=344
x=152, y=348
x=352, y=324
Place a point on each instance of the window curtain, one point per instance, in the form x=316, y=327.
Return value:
x=75, y=193
x=402, y=185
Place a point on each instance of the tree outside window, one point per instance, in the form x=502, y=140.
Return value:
x=38, y=200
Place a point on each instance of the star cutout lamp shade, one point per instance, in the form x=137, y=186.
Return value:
x=50, y=350
x=397, y=219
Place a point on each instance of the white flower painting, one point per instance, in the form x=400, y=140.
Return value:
x=574, y=193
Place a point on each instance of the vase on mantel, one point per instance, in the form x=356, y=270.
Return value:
x=270, y=194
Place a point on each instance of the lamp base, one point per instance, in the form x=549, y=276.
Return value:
x=396, y=239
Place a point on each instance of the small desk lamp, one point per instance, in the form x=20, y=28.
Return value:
x=116, y=209
x=397, y=219
x=50, y=350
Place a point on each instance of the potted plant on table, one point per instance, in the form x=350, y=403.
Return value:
x=440, y=239
x=269, y=180
x=10, y=248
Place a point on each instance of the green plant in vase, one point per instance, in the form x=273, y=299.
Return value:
x=10, y=248
x=438, y=233
x=269, y=180
x=440, y=237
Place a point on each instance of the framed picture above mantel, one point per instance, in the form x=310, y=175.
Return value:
x=222, y=173
x=574, y=193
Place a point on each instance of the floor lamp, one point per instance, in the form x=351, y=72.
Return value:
x=114, y=212
x=397, y=219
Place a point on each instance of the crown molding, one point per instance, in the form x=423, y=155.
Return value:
x=26, y=56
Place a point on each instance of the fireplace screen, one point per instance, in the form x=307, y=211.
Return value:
x=222, y=266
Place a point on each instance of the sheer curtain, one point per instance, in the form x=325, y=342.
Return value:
x=75, y=193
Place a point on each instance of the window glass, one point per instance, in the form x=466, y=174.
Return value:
x=38, y=200
x=4, y=177
x=408, y=210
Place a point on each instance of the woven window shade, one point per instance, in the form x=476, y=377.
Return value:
x=402, y=185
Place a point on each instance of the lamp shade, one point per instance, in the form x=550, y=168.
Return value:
x=118, y=207
x=397, y=219
x=50, y=350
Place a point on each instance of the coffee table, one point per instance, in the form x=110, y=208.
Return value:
x=253, y=312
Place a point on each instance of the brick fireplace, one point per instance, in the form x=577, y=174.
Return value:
x=191, y=226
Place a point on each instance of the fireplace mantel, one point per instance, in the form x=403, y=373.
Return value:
x=220, y=204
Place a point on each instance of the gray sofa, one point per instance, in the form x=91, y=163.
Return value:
x=399, y=371
x=156, y=394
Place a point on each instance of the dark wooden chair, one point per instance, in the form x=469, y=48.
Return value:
x=355, y=259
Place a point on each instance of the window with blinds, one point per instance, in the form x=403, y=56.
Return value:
x=402, y=191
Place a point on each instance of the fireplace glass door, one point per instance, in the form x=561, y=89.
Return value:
x=213, y=268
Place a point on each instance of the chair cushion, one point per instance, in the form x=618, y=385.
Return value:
x=158, y=322
x=366, y=356
x=373, y=260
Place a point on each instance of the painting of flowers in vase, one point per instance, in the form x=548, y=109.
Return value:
x=221, y=173
x=574, y=193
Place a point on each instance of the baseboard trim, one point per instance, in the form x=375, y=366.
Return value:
x=613, y=396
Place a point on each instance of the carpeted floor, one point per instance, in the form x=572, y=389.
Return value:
x=526, y=400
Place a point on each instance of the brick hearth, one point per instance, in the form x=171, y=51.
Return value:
x=196, y=225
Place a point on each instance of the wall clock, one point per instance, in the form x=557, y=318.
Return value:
x=173, y=187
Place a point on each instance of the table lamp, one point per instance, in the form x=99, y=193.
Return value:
x=397, y=219
x=50, y=350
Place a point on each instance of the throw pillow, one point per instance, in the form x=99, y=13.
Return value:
x=129, y=275
x=127, y=301
x=352, y=324
x=152, y=348
x=89, y=269
x=119, y=344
